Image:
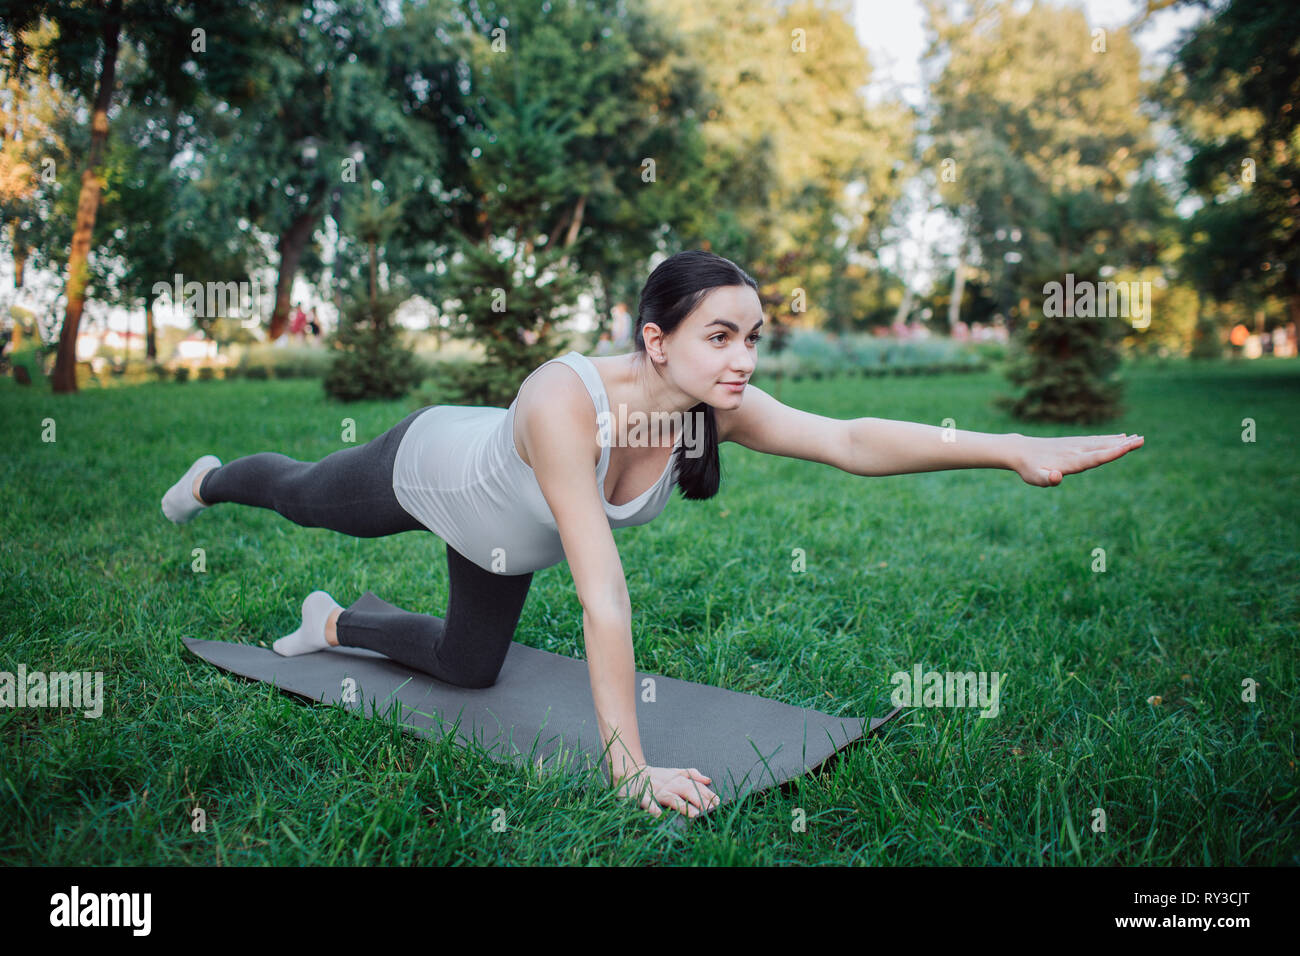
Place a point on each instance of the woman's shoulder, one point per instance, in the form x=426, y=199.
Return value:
x=553, y=382
x=554, y=395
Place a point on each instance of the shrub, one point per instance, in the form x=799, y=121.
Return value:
x=518, y=338
x=454, y=382
x=284, y=361
x=369, y=358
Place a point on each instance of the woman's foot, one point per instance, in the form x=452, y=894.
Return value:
x=198, y=482
x=181, y=502
x=317, y=611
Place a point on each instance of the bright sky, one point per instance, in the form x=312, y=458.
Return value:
x=892, y=31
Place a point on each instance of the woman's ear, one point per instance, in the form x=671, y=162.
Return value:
x=653, y=337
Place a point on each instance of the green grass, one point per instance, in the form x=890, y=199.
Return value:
x=959, y=570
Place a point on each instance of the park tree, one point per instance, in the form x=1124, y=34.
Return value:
x=801, y=174
x=164, y=213
x=330, y=119
x=1155, y=248
x=35, y=116
x=32, y=150
x=576, y=123
x=1037, y=139
x=371, y=362
x=169, y=36
x=1233, y=93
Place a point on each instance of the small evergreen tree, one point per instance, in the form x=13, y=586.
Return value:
x=372, y=361
x=1068, y=367
x=510, y=306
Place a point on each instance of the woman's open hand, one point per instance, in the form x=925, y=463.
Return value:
x=673, y=787
x=1046, y=461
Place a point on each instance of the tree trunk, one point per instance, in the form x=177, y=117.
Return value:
x=560, y=225
x=958, y=289
x=20, y=254
x=904, y=307
x=150, y=339
x=64, y=378
x=290, y=248
x=374, y=276
x=576, y=222
x=574, y=225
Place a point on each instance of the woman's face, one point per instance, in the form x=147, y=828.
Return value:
x=716, y=344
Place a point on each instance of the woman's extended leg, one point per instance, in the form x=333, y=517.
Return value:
x=350, y=490
x=467, y=648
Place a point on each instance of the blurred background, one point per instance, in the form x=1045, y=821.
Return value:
x=385, y=194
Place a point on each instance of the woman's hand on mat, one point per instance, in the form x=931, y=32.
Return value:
x=673, y=787
x=1046, y=461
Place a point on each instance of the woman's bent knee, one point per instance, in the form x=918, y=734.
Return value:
x=472, y=678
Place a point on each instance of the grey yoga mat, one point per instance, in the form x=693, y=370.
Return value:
x=540, y=709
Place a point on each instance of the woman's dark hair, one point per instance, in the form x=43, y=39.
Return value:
x=672, y=292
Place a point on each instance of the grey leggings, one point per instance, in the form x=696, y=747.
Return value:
x=351, y=491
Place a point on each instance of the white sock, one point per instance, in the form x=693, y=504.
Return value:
x=179, y=504
x=316, y=610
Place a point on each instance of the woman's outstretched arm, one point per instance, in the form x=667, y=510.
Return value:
x=881, y=446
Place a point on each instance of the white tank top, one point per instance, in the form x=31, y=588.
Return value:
x=459, y=474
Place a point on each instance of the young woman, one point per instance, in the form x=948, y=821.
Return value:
x=515, y=490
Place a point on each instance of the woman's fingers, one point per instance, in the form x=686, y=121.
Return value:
x=689, y=805
x=1111, y=452
x=1093, y=442
x=708, y=795
x=694, y=796
x=680, y=791
x=1091, y=457
x=1122, y=441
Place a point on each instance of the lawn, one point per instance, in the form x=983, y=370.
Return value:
x=1121, y=700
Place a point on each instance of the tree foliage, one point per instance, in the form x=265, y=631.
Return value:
x=1037, y=131
x=1233, y=92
